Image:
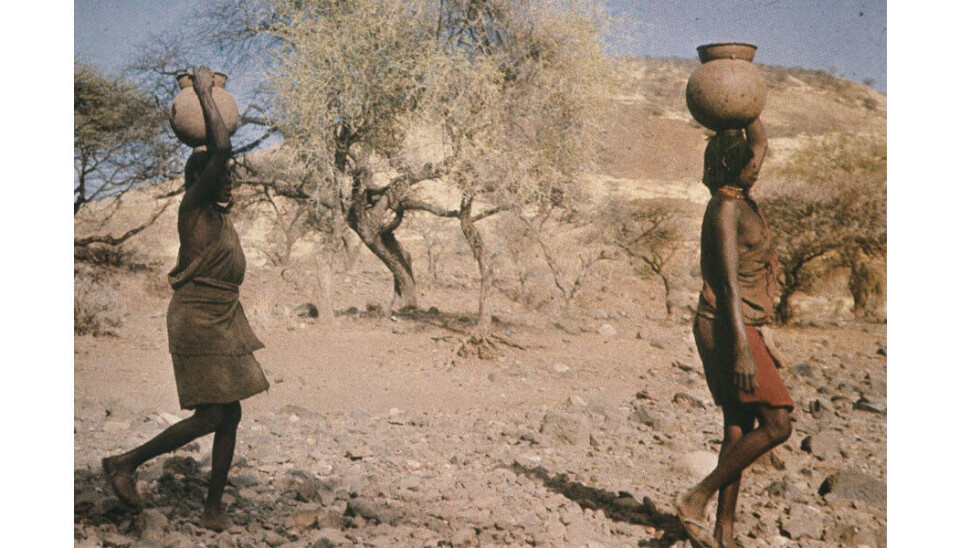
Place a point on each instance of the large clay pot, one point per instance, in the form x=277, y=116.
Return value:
x=186, y=116
x=726, y=91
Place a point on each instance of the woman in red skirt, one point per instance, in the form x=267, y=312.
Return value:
x=738, y=266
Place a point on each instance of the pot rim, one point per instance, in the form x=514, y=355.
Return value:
x=702, y=50
x=218, y=77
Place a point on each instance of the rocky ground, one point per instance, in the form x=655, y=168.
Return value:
x=375, y=432
x=592, y=417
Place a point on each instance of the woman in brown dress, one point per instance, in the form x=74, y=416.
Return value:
x=210, y=340
x=738, y=266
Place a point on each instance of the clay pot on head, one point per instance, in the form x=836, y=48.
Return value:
x=186, y=116
x=727, y=91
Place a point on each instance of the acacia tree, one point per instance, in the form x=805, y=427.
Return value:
x=119, y=142
x=833, y=208
x=526, y=92
x=510, y=87
x=646, y=232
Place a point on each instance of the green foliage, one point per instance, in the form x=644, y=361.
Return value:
x=119, y=137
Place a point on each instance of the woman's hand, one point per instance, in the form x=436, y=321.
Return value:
x=745, y=371
x=202, y=79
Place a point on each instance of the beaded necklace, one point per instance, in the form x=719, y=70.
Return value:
x=731, y=191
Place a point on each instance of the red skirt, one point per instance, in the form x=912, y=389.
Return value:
x=715, y=345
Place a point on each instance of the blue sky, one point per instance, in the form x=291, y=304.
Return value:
x=847, y=38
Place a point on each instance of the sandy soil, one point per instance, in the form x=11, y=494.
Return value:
x=376, y=433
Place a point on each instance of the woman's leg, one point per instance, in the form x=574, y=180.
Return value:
x=737, y=421
x=224, y=441
x=774, y=428
x=120, y=468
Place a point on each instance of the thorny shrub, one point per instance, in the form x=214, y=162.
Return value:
x=96, y=306
x=832, y=206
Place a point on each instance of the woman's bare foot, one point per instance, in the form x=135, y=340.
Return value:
x=694, y=523
x=214, y=519
x=121, y=480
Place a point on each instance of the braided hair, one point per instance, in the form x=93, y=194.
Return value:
x=727, y=153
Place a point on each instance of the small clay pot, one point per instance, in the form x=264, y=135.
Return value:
x=727, y=91
x=186, y=116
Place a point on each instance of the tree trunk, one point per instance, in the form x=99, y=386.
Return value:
x=475, y=242
x=666, y=294
x=376, y=235
x=404, y=284
x=386, y=247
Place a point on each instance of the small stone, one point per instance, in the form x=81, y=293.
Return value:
x=696, y=464
x=301, y=521
x=871, y=405
x=802, y=521
x=855, y=485
x=823, y=445
x=607, y=330
x=688, y=401
x=820, y=408
x=566, y=428
x=331, y=520
x=561, y=369
x=802, y=369
x=307, y=310
x=151, y=525
x=641, y=415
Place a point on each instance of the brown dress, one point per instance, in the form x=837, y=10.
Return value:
x=210, y=340
x=757, y=282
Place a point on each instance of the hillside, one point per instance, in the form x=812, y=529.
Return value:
x=376, y=432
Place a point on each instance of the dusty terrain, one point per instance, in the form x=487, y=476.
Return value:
x=376, y=432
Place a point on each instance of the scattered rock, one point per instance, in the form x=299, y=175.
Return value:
x=871, y=405
x=330, y=520
x=564, y=427
x=688, y=401
x=820, y=408
x=802, y=369
x=301, y=521
x=151, y=525
x=641, y=415
x=802, y=521
x=562, y=369
x=855, y=485
x=845, y=534
x=771, y=459
x=371, y=511
x=607, y=330
x=823, y=445
x=696, y=464
x=307, y=310
x=782, y=488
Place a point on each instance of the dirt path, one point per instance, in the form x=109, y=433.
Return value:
x=376, y=433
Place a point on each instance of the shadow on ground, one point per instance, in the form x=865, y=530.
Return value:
x=621, y=506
